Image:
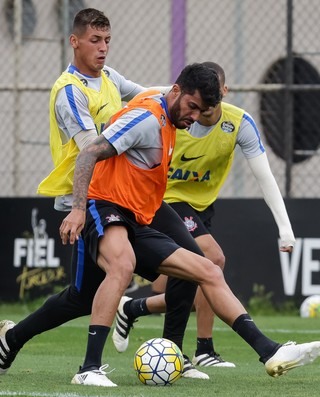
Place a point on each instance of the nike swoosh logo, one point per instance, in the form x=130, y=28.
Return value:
x=93, y=333
x=184, y=158
x=101, y=107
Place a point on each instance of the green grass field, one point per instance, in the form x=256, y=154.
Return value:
x=46, y=364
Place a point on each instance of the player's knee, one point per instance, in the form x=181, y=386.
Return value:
x=216, y=257
x=219, y=259
x=125, y=271
x=120, y=272
x=212, y=251
x=213, y=273
x=207, y=268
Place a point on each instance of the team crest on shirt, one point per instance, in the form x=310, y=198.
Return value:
x=191, y=225
x=227, y=126
x=106, y=72
x=163, y=120
x=113, y=218
x=84, y=82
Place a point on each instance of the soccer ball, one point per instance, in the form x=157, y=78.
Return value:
x=158, y=362
x=310, y=307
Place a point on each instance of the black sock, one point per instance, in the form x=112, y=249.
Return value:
x=96, y=340
x=204, y=345
x=246, y=328
x=136, y=308
x=12, y=341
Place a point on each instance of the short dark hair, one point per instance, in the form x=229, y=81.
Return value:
x=90, y=17
x=217, y=68
x=199, y=77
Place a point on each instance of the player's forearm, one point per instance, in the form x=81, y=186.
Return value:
x=272, y=196
x=99, y=149
x=82, y=175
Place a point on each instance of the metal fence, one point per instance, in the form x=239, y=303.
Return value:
x=268, y=48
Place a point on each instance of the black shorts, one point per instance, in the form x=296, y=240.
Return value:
x=151, y=247
x=198, y=223
x=168, y=221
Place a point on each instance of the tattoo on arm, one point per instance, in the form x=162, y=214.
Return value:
x=99, y=149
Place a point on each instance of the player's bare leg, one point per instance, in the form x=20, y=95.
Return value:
x=118, y=262
x=278, y=359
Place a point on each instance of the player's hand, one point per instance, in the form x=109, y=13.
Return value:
x=287, y=245
x=72, y=225
x=288, y=248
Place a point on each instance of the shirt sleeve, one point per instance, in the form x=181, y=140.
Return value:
x=272, y=196
x=72, y=111
x=249, y=138
x=138, y=129
x=127, y=88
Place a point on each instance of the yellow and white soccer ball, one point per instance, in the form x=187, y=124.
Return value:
x=310, y=307
x=158, y=362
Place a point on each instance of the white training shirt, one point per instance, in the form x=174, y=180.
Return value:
x=137, y=134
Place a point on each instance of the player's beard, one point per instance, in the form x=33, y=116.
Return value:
x=176, y=113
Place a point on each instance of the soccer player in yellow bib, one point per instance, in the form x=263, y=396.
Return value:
x=201, y=162
x=82, y=101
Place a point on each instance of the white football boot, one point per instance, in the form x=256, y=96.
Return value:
x=120, y=335
x=211, y=360
x=292, y=355
x=189, y=371
x=6, y=355
x=96, y=377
